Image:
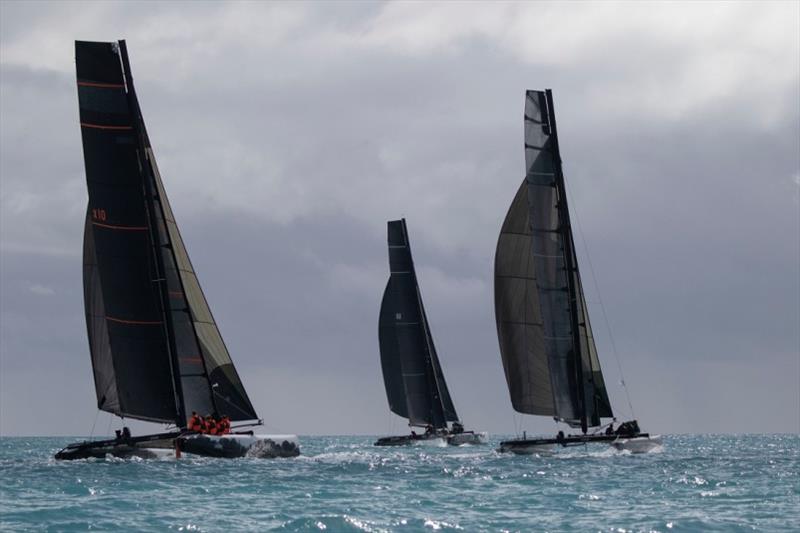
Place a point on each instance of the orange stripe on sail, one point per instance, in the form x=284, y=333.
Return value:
x=195, y=359
x=176, y=294
x=134, y=322
x=101, y=85
x=101, y=127
x=123, y=228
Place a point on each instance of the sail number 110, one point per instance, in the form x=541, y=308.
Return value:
x=99, y=214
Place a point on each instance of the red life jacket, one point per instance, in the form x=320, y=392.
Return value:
x=194, y=424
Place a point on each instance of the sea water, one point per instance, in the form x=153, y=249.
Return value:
x=695, y=483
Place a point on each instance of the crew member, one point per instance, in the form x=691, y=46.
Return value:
x=224, y=425
x=211, y=425
x=195, y=423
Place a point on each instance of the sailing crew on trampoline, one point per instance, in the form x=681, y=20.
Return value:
x=224, y=426
x=211, y=425
x=195, y=423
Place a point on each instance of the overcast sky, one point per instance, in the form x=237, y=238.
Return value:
x=288, y=134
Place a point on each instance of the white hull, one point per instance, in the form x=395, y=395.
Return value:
x=240, y=445
x=638, y=444
x=472, y=437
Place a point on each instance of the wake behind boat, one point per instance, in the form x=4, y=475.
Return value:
x=156, y=351
x=413, y=377
x=546, y=342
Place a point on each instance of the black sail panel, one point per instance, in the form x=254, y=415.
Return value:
x=519, y=322
x=105, y=379
x=390, y=353
x=127, y=334
x=409, y=357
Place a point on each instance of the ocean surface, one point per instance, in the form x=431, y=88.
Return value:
x=696, y=483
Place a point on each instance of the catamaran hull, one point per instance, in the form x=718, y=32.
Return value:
x=119, y=451
x=453, y=439
x=160, y=446
x=468, y=437
x=407, y=440
x=233, y=445
x=638, y=444
x=144, y=447
x=526, y=447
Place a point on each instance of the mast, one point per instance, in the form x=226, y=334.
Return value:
x=570, y=260
x=161, y=277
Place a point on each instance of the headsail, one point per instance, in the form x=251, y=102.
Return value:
x=546, y=343
x=156, y=351
x=415, y=385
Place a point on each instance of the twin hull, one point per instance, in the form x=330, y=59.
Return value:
x=641, y=443
x=453, y=439
x=157, y=446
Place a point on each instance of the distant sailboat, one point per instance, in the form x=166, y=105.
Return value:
x=415, y=384
x=156, y=352
x=546, y=341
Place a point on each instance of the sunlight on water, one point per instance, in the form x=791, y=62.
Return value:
x=693, y=483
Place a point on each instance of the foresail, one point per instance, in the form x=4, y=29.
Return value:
x=407, y=352
x=207, y=369
x=127, y=333
x=448, y=408
x=519, y=322
x=596, y=394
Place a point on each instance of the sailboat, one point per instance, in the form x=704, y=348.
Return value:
x=413, y=377
x=157, y=354
x=546, y=343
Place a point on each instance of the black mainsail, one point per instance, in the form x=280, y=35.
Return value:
x=415, y=385
x=156, y=351
x=546, y=341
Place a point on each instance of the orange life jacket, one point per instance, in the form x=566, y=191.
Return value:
x=212, y=427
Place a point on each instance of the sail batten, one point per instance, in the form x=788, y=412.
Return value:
x=547, y=348
x=413, y=377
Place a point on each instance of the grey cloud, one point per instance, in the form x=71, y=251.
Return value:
x=288, y=135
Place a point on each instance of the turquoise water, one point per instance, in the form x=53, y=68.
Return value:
x=697, y=483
